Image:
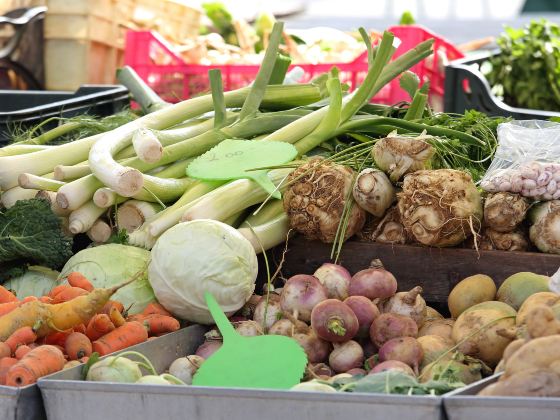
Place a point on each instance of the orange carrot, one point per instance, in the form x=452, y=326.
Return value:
x=77, y=346
x=58, y=289
x=110, y=304
x=128, y=335
x=57, y=338
x=98, y=326
x=6, y=364
x=6, y=308
x=80, y=328
x=155, y=308
x=38, y=362
x=46, y=299
x=137, y=317
x=161, y=324
x=69, y=294
x=29, y=299
x=5, y=350
x=22, y=351
x=20, y=337
x=7, y=296
x=76, y=279
x=116, y=317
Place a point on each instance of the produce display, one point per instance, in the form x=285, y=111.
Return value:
x=61, y=329
x=117, y=231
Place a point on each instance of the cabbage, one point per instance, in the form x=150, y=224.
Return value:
x=36, y=281
x=202, y=256
x=111, y=264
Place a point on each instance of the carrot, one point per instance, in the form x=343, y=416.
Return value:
x=76, y=279
x=20, y=337
x=137, y=317
x=77, y=346
x=69, y=294
x=7, y=296
x=45, y=299
x=38, y=362
x=57, y=338
x=99, y=325
x=6, y=308
x=6, y=364
x=5, y=350
x=155, y=309
x=125, y=336
x=47, y=318
x=22, y=351
x=161, y=324
x=29, y=299
x=116, y=317
x=80, y=328
x=58, y=289
x=110, y=304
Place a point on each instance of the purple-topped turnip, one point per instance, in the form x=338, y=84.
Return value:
x=404, y=349
x=374, y=282
x=300, y=294
x=336, y=280
x=365, y=310
x=346, y=356
x=334, y=321
x=388, y=326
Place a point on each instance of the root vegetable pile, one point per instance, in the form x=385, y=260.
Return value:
x=42, y=335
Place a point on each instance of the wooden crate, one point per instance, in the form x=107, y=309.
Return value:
x=437, y=270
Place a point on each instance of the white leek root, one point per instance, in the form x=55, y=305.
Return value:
x=30, y=181
x=13, y=195
x=100, y=232
x=147, y=146
x=51, y=198
x=82, y=219
x=268, y=234
x=66, y=173
x=132, y=214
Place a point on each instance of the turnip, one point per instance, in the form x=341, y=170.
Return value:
x=374, y=282
x=333, y=320
x=392, y=365
x=300, y=295
x=316, y=198
x=504, y=211
x=249, y=308
x=370, y=349
x=313, y=386
x=119, y=368
x=409, y=303
x=388, y=326
x=319, y=370
x=403, y=349
x=317, y=350
x=440, y=327
x=184, y=368
x=434, y=346
x=374, y=192
x=441, y=207
x=365, y=311
x=271, y=309
x=208, y=348
x=444, y=369
x=249, y=328
x=336, y=280
x=163, y=379
x=357, y=371
x=346, y=356
x=288, y=327
x=398, y=155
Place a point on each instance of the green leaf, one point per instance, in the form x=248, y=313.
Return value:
x=93, y=359
x=409, y=82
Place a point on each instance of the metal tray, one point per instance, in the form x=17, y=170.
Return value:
x=463, y=404
x=67, y=398
x=21, y=403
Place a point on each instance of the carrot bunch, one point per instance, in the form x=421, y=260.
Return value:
x=31, y=350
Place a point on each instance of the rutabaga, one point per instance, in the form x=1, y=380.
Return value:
x=441, y=207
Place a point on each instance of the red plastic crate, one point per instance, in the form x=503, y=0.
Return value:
x=173, y=79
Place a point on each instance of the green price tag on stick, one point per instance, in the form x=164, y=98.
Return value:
x=264, y=361
x=234, y=159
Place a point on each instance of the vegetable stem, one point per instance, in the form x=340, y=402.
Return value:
x=216, y=85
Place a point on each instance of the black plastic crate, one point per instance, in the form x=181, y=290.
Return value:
x=467, y=88
x=24, y=109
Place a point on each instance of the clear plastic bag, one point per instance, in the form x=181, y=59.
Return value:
x=527, y=160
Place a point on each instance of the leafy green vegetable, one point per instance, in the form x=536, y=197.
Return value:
x=394, y=382
x=36, y=281
x=409, y=82
x=527, y=71
x=31, y=232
